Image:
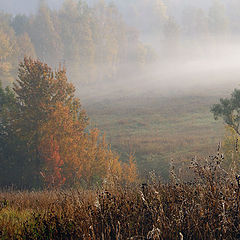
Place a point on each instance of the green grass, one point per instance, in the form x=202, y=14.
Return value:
x=158, y=129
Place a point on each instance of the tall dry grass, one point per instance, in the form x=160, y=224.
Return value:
x=205, y=207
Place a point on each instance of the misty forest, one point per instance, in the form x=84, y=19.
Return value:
x=119, y=119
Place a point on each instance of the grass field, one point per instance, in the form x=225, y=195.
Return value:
x=159, y=128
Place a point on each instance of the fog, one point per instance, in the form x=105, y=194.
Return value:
x=212, y=69
x=26, y=6
x=192, y=60
x=192, y=45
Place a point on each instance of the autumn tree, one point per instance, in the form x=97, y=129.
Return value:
x=44, y=124
x=74, y=156
x=93, y=41
x=53, y=163
x=45, y=37
x=15, y=43
x=38, y=89
x=78, y=43
x=8, y=53
x=25, y=46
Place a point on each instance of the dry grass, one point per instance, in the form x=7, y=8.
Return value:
x=158, y=128
x=205, y=207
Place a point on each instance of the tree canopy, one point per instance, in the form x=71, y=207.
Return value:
x=229, y=110
x=44, y=140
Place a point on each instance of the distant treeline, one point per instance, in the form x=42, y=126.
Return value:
x=93, y=42
x=192, y=17
x=98, y=40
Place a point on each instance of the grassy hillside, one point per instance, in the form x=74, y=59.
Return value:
x=158, y=128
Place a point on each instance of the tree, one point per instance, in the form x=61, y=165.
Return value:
x=195, y=23
x=171, y=38
x=25, y=46
x=229, y=110
x=45, y=37
x=74, y=156
x=234, y=17
x=79, y=47
x=20, y=24
x=38, y=89
x=13, y=153
x=230, y=148
x=44, y=137
x=218, y=21
x=8, y=51
x=53, y=163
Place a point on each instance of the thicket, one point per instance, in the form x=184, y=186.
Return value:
x=43, y=136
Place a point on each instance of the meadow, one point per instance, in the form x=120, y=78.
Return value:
x=185, y=197
x=158, y=128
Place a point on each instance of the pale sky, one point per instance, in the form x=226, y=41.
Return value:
x=24, y=6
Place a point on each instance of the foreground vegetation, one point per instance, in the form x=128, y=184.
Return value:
x=205, y=208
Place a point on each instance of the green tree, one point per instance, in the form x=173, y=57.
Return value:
x=229, y=110
x=13, y=152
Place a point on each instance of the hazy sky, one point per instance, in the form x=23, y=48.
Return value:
x=29, y=6
x=24, y=6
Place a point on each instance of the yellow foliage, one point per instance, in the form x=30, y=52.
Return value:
x=130, y=170
x=231, y=148
x=86, y=156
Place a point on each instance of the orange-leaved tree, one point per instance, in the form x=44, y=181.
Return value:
x=52, y=170
x=51, y=124
x=85, y=156
x=38, y=91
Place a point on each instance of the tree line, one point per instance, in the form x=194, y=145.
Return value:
x=101, y=40
x=93, y=42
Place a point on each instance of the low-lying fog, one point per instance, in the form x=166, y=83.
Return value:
x=193, y=45
x=212, y=69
